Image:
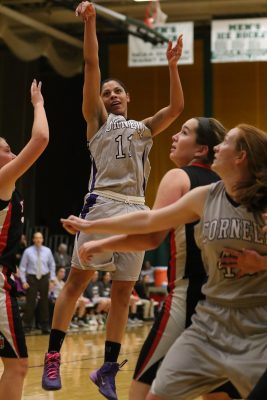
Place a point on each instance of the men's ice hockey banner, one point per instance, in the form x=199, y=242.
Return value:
x=239, y=40
x=142, y=54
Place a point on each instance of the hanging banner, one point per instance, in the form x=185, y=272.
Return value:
x=239, y=40
x=144, y=54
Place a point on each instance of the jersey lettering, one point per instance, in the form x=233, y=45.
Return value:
x=234, y=228
x=121, y=123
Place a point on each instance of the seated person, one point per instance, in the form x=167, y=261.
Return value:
x=133, y=318
x=54, y=291
x=148, y=271
x=148, y=303
x=106, y=279
x=94, y=292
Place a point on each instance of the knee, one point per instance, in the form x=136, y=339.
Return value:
x=21, y=368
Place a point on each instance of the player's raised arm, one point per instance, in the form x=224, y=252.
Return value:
x=11, y=171
x=164, y=117
x=93, y=108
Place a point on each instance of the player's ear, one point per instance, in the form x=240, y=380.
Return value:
x=202, y=151
x=241, y=156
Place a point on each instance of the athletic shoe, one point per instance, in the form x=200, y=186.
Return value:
x=100, y=320
x=51, y=376
x=138, y=321
x=104, y=378
x=92, y=321
x=73, y=326
x=131, y=322
x=82, y=324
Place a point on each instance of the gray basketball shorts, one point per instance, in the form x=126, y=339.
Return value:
x=168, y=326
x=222, y=344
x=123, y=266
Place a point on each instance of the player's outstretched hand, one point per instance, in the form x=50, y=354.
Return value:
x=85, y=10
x=36, y=94
x=174, y=53
x=74, y=224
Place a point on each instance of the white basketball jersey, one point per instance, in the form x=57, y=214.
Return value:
x=226, y=224
x=119, y=154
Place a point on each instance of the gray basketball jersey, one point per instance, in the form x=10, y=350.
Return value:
x=119, y=153
x=225, y=224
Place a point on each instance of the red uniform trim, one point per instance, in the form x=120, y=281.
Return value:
x=160, y=331
x=172, y=263
x=7, y=289
x=5, y=229
x=199, y=164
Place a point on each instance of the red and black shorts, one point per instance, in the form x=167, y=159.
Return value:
x=12, y=338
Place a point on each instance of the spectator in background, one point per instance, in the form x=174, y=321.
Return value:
x=62, y=258
x=58, y=283
x=148, y=270
x=37, y=269
x=148, y=304
x=54, y=292
x=133, y=318
x=94, y=292
x=106, y=279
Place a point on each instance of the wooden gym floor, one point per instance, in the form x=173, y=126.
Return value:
x=82, y=352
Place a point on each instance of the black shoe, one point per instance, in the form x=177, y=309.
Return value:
x=27, y=329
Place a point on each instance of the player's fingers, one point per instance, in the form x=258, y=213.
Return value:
x=228, y=260
x=64, y=220
x=33, y=85
x=70, y=218
x=232, y=252
x=169, y=47
x=69, y=228
x=180, y=39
